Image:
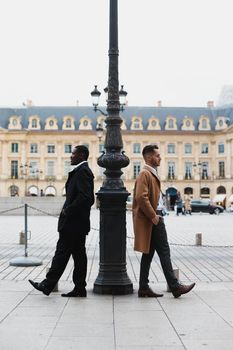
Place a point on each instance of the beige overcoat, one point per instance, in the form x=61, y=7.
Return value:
x=145, y=201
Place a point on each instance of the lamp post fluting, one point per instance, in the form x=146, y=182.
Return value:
x=112, y=277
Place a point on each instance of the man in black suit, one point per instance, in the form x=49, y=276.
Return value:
x=73, y=226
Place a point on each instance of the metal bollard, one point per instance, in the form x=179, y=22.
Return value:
x=199, y=239
x=176, y=273
x=55, y=289
x=21, y=237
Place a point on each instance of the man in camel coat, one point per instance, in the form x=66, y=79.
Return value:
x=149, y=228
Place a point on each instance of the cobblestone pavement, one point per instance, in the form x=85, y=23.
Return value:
x=212, y=262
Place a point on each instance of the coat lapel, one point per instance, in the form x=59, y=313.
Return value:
x=153, y=171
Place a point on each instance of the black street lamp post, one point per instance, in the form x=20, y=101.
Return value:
x=198, y=166
x=25, y=169
x=112, y=277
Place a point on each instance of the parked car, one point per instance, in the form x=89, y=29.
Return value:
x=205, y=206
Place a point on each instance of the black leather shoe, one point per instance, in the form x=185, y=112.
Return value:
x=40, y=286
x=148, y=293
x=75, y=293
x=182, y=289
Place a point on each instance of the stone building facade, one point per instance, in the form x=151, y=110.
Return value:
x=196, y=146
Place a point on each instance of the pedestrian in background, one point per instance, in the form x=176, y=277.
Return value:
x=179, y=205
x=187, y=204
x=149, y=228
x=73, y=226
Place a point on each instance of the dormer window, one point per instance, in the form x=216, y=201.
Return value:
x=136, y=123
x=51, y=123
x=153, y=124
x=123, y=124
x=204, y=123
x=68, y=123
x=221, y=123
x=14, y=122
x=171, y=123
x=187, y=124
x=34, y=123
x=85, y=123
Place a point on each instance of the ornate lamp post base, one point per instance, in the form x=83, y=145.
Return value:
x=112, y=277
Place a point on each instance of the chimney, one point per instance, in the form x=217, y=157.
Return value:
x=210, y=104
x=159, y=103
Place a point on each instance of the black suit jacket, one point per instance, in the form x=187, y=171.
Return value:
x=75, y=214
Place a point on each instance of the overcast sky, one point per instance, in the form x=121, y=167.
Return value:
x=54, y=51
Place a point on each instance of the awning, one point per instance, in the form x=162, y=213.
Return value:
x=219, y=198
x=33, y=190
x=231, y=198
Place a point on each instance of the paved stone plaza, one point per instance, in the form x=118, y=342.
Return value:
x=202, y=319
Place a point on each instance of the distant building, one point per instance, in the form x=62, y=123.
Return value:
x=196, y=145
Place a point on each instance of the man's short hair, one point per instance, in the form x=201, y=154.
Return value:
x=82, y=149
x=149, y=149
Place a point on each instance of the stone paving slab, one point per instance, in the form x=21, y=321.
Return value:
x=202, y=319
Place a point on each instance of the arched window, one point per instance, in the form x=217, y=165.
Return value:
x=221, y=190
x=14, y=191
x=51, y=123
x=188, y=123
x=33, y=191
x=50, y=191
x=188, y=190
x=205, y=191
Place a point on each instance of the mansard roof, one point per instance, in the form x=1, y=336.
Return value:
x=143, y=112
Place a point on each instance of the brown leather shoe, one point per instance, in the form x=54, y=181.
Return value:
x=148, y=293
x=182, y=289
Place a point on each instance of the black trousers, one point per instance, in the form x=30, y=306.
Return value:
x=68, y=245
x=159, y=243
